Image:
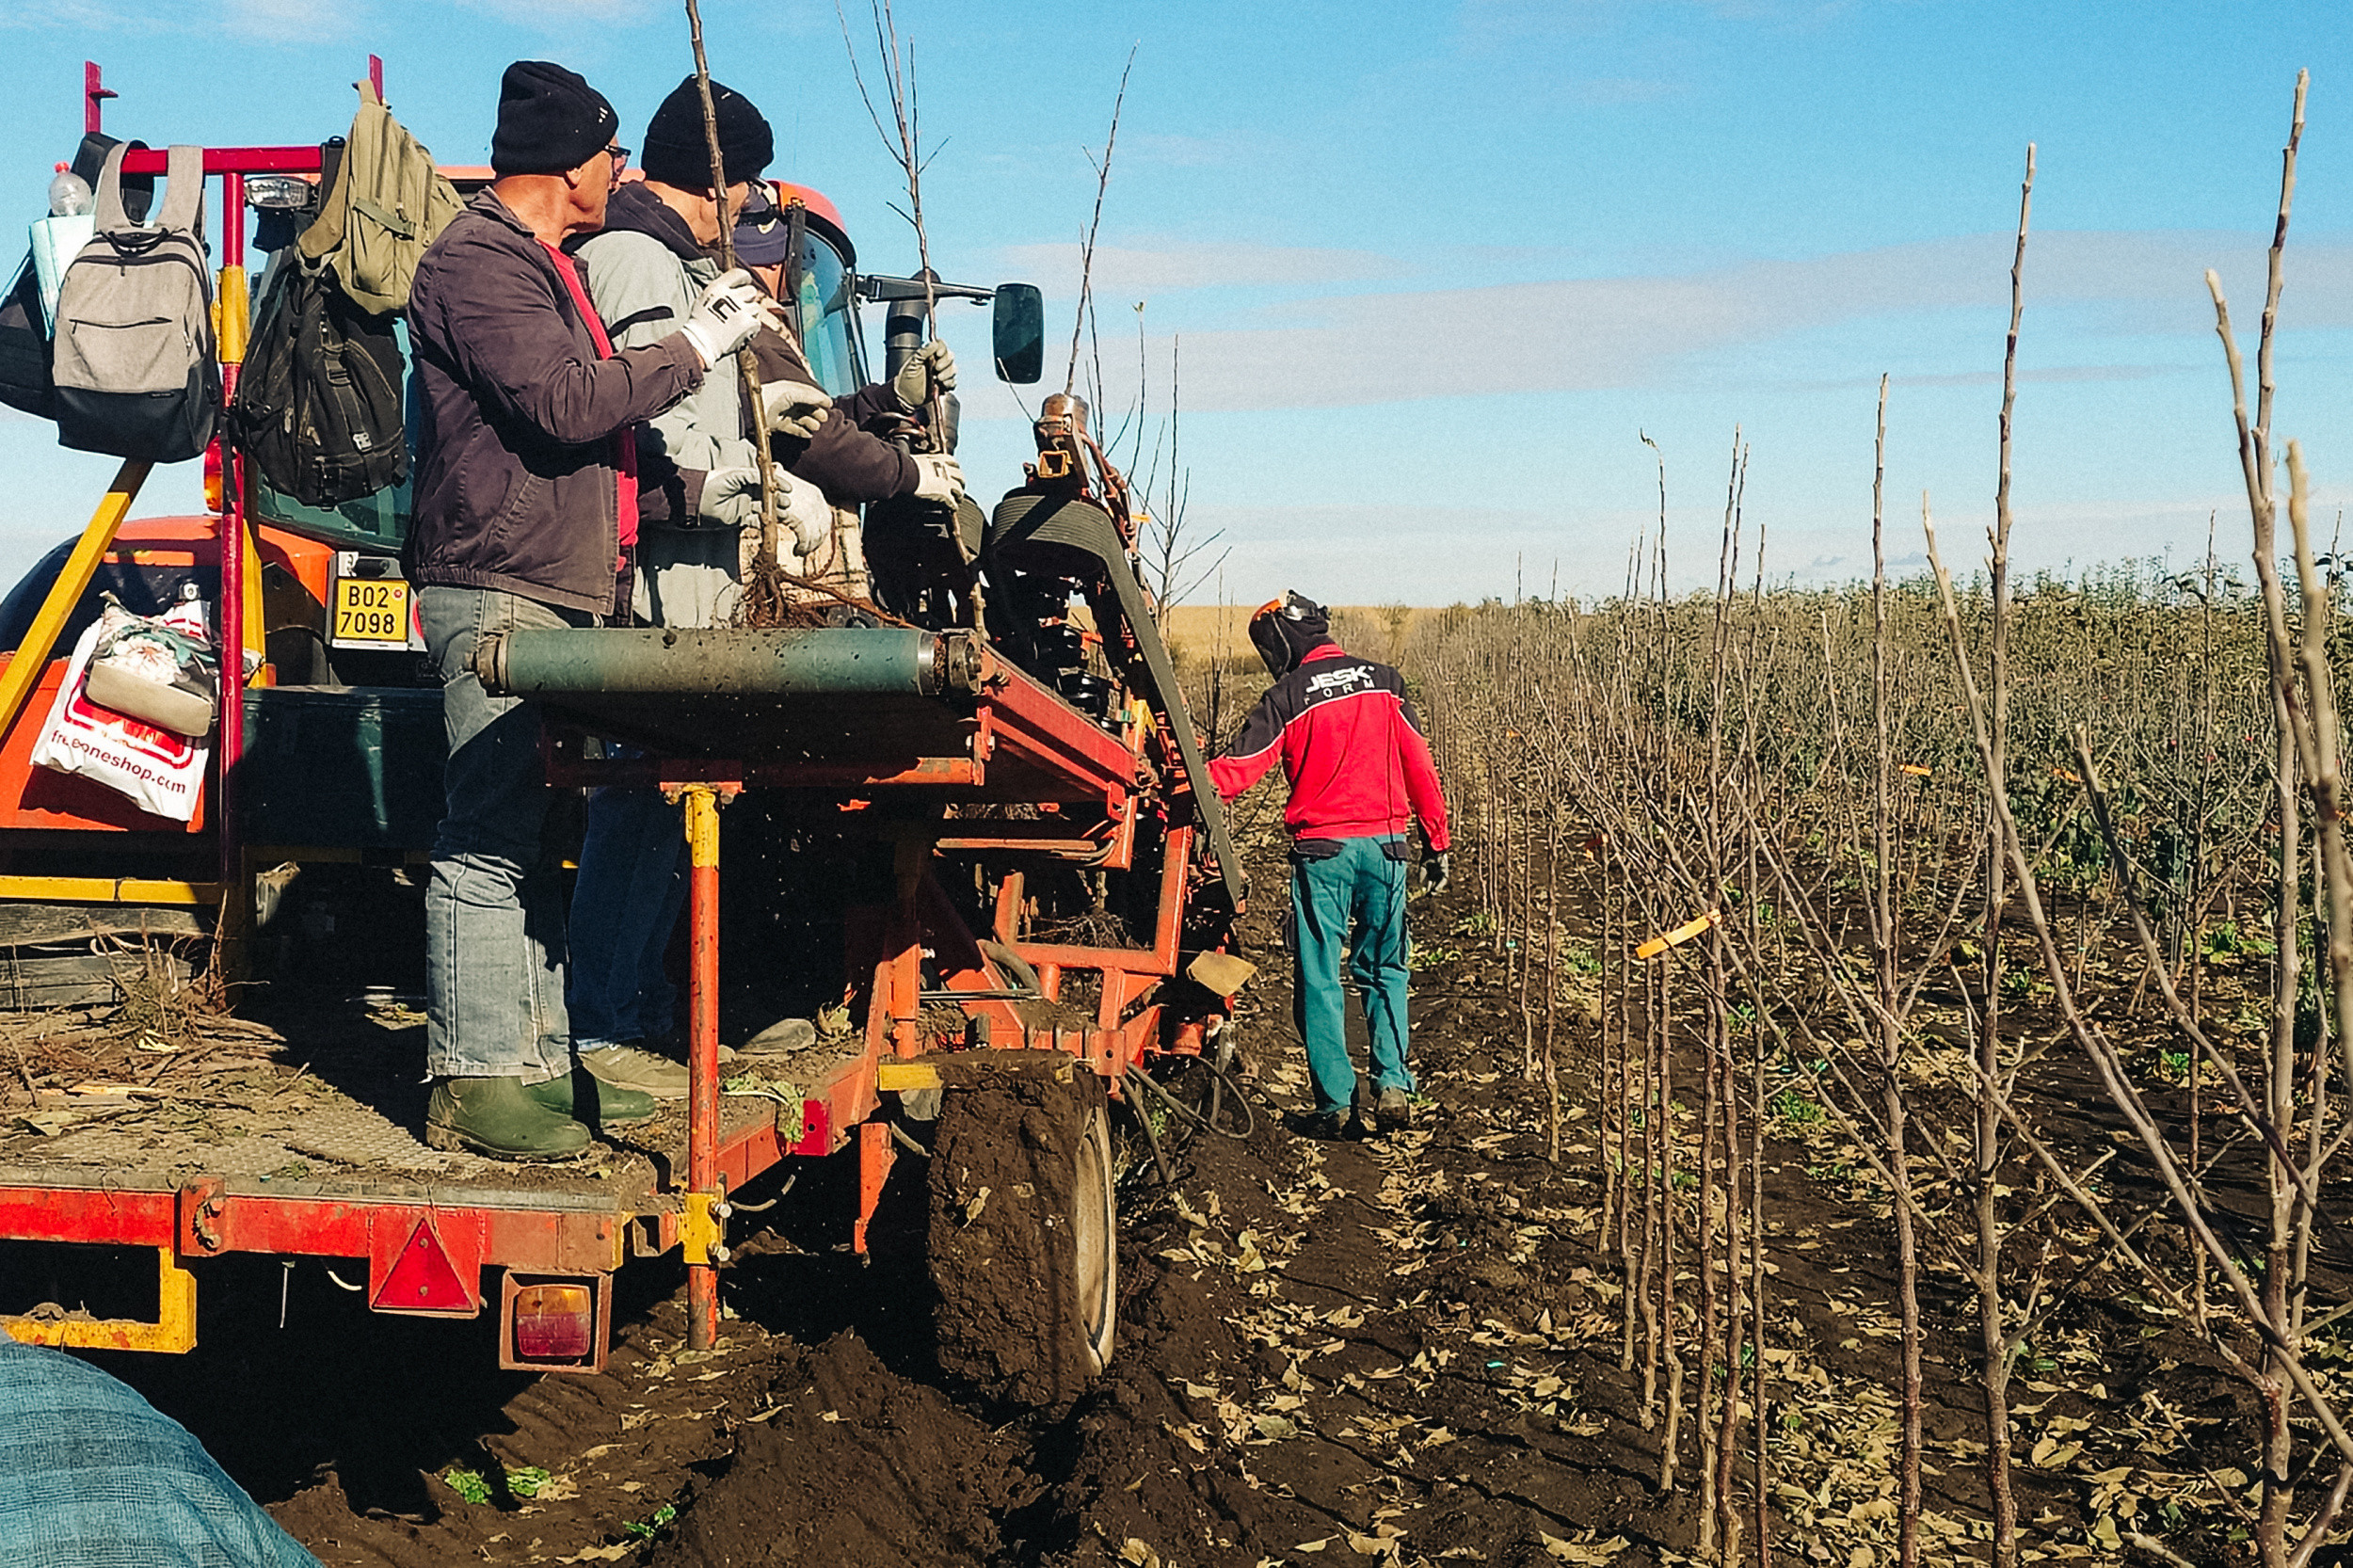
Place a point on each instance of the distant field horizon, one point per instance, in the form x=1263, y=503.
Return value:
x=1196, y=631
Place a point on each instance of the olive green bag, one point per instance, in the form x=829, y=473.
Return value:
x=387, y=204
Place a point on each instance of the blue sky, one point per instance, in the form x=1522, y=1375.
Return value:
x=1429, y=268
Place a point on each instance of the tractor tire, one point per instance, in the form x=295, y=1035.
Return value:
x=1024, y=1231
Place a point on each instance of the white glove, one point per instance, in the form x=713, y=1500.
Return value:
x=807, y=513
x=795, y=408
x=731, y=497
x=731, y=310
x=933, y=368
x=939, y=479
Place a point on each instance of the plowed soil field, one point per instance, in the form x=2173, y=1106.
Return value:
x=1403, y=1350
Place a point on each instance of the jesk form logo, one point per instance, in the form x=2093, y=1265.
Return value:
x=1340, y=682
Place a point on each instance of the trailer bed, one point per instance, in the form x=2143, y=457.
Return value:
x=338, y=1110
x=309, y=1143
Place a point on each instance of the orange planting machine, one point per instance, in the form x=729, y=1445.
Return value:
x=1038, y=886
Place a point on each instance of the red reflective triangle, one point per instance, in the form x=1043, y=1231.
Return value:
x=423, y=1279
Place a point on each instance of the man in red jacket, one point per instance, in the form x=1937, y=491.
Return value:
x=1360, y=775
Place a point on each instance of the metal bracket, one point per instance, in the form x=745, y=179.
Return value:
x=202, y=1204
x=702, y=1224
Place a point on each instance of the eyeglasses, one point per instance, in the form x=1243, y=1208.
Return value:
x=619, y=155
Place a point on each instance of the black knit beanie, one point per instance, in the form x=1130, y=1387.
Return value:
x=1287, y=631
x=550, y=120
x=677, y=153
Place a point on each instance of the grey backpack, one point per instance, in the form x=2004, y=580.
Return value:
x=135, y=366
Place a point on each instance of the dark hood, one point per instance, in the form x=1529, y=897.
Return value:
x=1287, y=630
x=635, y=208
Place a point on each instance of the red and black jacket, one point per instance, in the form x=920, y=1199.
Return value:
x=1351, y=746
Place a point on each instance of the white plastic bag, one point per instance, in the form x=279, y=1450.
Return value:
x=160, y=672
x=160, y=772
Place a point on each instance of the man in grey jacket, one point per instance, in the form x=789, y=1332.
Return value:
x=644, y=271
x=524, y=498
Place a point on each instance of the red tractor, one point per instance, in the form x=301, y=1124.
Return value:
x=978, y=833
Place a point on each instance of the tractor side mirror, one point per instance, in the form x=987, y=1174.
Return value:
x=1017, y=325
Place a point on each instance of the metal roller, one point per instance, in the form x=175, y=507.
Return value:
x=820, y=661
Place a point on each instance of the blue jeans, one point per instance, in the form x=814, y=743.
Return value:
x=494, y=905
x=632, y=886
x=1350, y=893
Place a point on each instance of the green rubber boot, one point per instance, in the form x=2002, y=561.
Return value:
x=602, y=1104
x=500, y=1117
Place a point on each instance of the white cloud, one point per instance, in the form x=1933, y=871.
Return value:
x=564, y=15
x=1496, y=24
x=80, y=15
x=2044, y=375
x=1124, y=270
x=294, y=20
x=1600, y=333
x=297, y=21
x=1601, y=90
x=1214, y=150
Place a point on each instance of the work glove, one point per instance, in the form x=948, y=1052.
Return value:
x=731, y=497
x=807, y=513
x=795, y=408
x=1434, y=870
x=939, y=479
x=731, y=310
x=932, y=369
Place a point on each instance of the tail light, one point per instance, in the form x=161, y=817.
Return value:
x=554, y=1324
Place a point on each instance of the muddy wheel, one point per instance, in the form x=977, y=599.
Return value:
x=1024, y=1238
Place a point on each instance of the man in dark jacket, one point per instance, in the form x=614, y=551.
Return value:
x=840, y=457
x=1360, y=775
x=523, y=502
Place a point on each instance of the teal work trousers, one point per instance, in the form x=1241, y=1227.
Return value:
x=1349, y=894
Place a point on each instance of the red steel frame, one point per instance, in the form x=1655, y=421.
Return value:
x=1015, y=718
x=232, y=164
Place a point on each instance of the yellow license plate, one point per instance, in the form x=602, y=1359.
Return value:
x=371, y=610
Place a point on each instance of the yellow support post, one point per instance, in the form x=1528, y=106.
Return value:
x=173, y=1332
x=236, y=312
x=106, y=889
x=25, y=666
x=703, y=1190
x=233, y=315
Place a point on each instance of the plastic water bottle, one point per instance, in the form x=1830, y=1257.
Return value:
x=69, y=193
